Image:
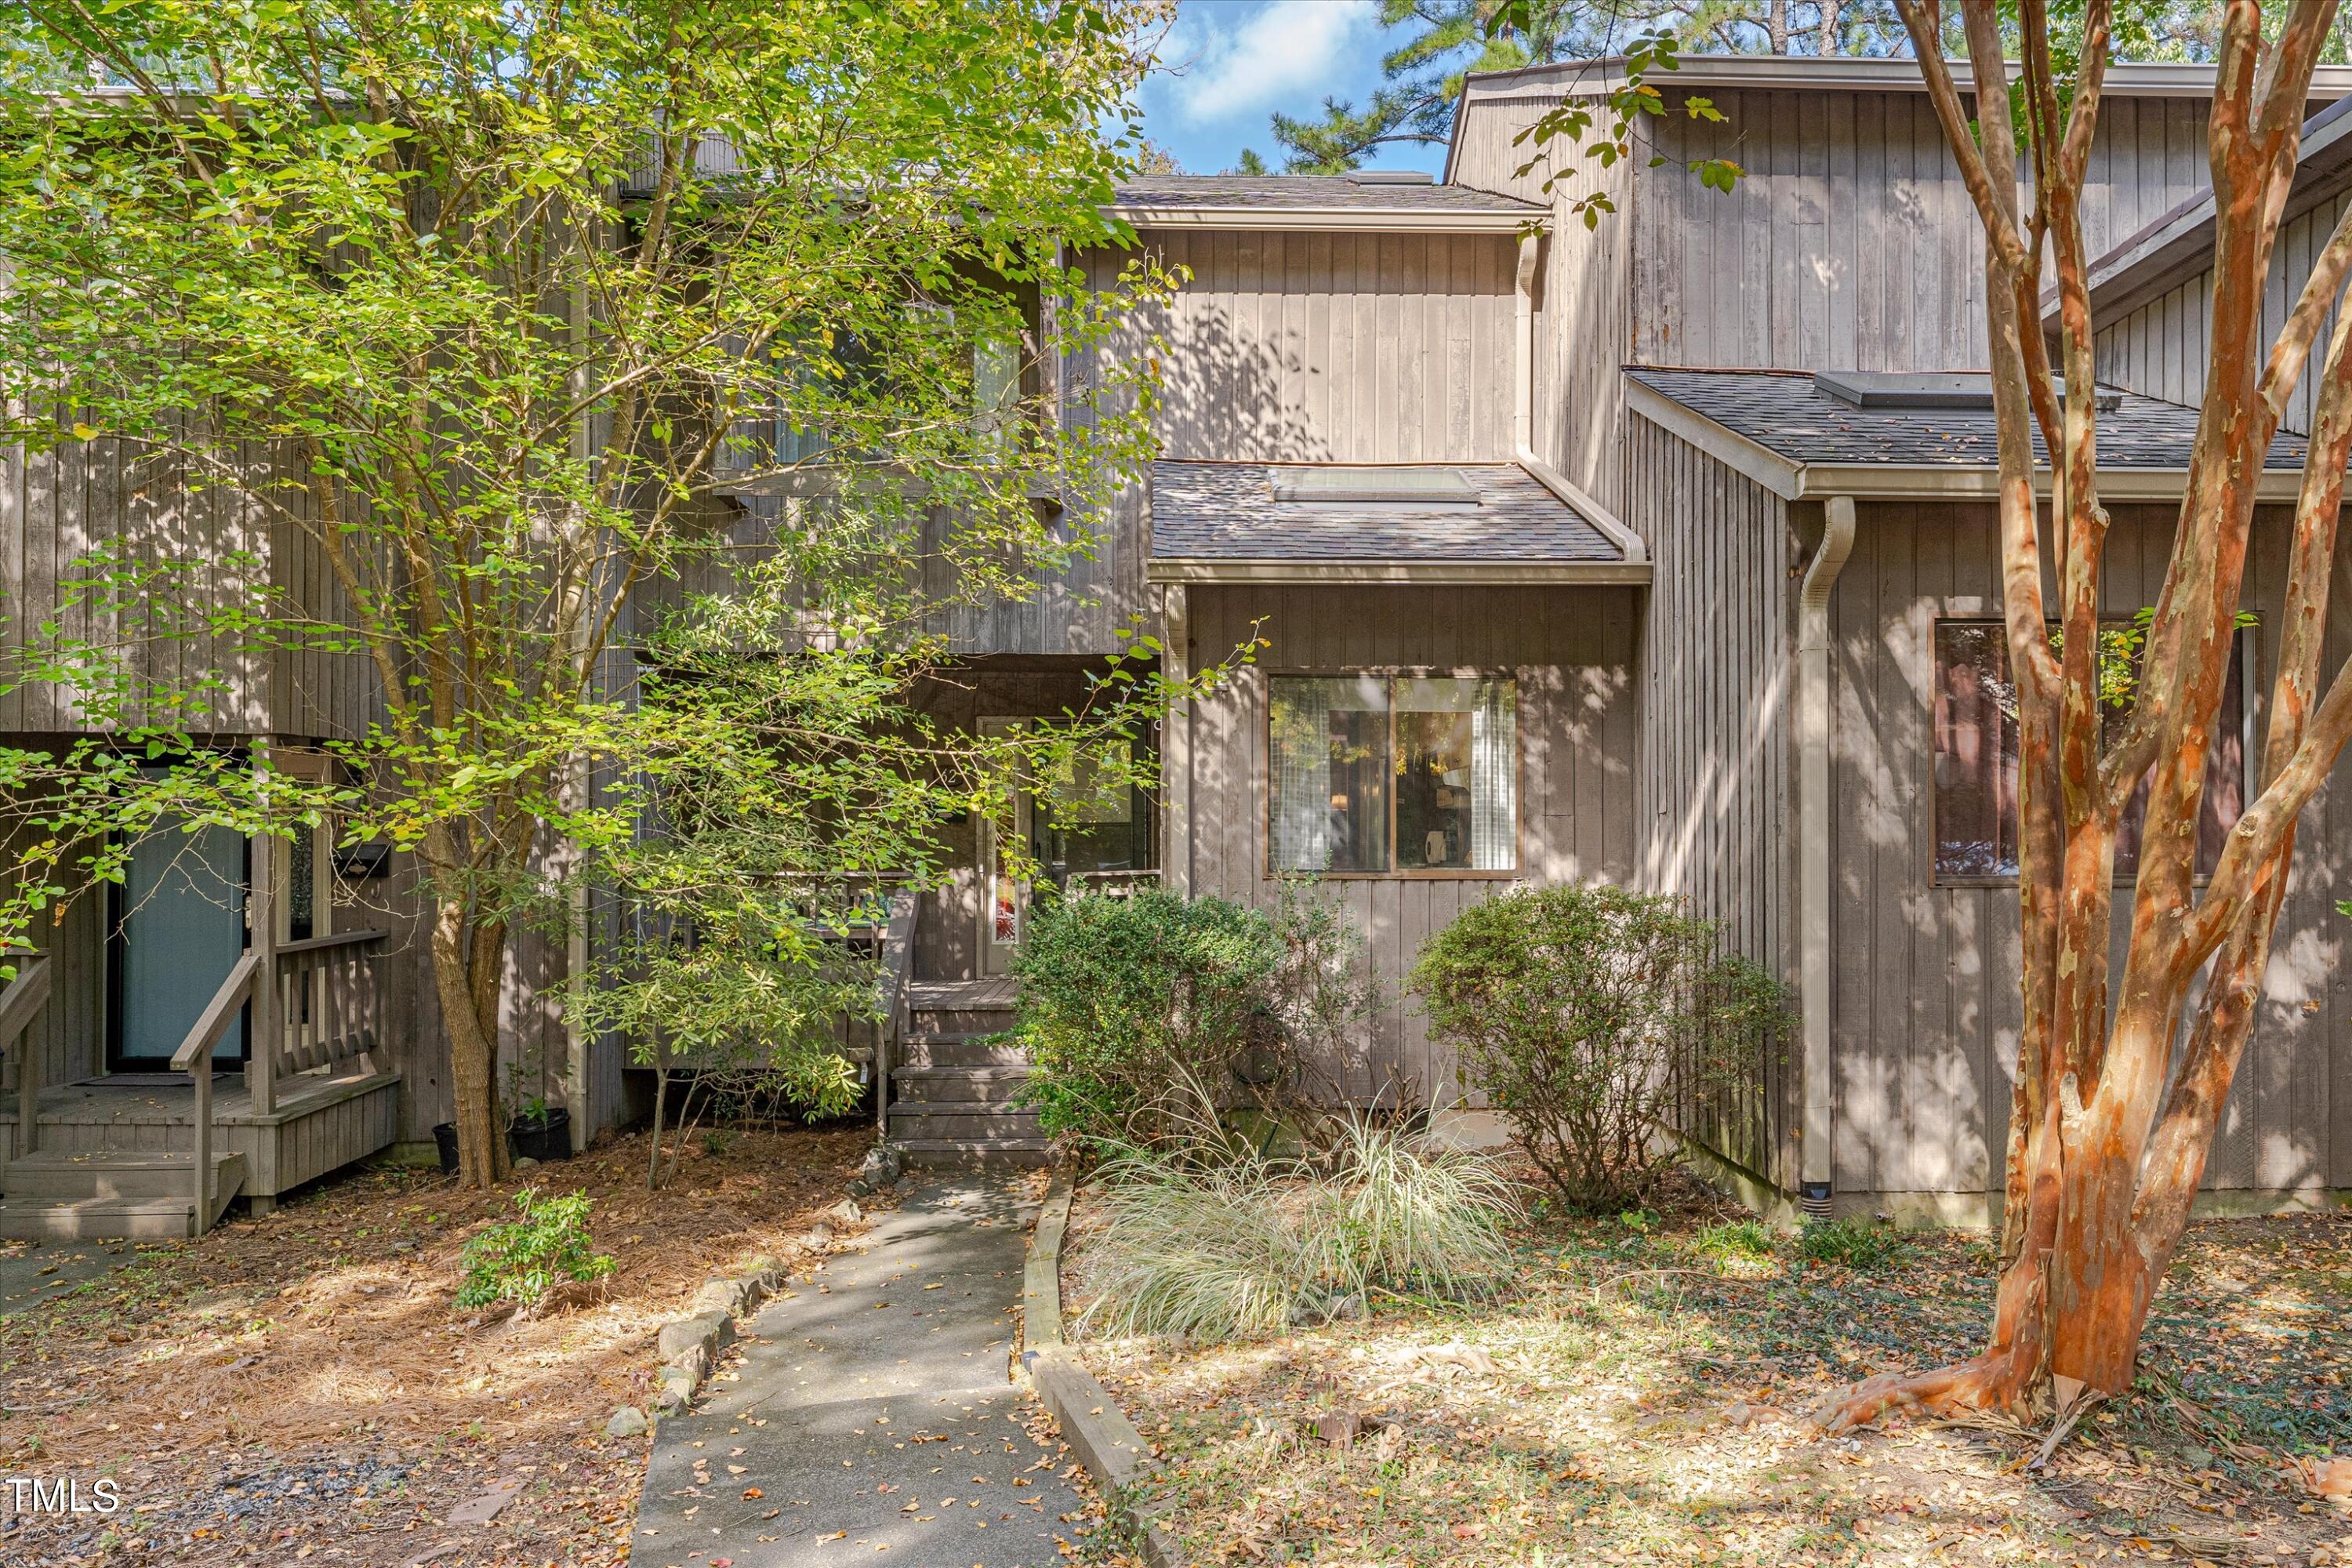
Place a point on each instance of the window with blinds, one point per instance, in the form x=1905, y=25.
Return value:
x=1373, y=774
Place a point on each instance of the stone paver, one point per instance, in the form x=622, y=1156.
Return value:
x=873, y=1414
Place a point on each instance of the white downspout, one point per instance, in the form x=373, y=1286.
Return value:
x=1816, y=965
x=1523, y=418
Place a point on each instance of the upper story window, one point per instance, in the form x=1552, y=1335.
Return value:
x=1374, y=774
x=1976, y=750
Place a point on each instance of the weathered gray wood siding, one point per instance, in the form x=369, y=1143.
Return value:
x=1716, y=769
x=2160, y=346
x=1572, y=652
x=1926, y=1008
x=184, y=547
x=1300, y=347
x=1849, y=243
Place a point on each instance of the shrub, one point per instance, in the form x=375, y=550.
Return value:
x=1126, y=1001
x=1249, y=1246
x=1587, y=1015
x=521, y=1260
x=1852, y=1243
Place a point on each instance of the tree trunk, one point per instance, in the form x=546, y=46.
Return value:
x=462, y=957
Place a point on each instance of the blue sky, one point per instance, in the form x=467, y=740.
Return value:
x=1228, y=64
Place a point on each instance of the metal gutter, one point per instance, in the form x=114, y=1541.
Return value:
x=1221, y=570
x=1897, y=73
x=1523, y=417
x=1791, y=480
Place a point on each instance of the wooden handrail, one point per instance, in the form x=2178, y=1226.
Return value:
x=19, y=1006
x=213, y=1022
x=322, y=943
x=194, y=1058
x=898, y=966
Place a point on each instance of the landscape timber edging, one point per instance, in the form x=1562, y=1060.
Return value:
x=1096, y=1430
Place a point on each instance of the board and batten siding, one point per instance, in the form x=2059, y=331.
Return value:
x=1926, y=1008
x=185, y=546
x=1570, y=650
x=1848, y=242
x=2159, y=348
x=1717, y=774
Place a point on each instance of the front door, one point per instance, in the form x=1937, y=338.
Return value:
x=1083, y=820
x=178, y=929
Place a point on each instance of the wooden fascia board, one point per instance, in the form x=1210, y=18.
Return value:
x=1753, y=459
x=1435, y=573
x=1373, y=220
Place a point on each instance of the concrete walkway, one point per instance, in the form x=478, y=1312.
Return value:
x=874, y=1416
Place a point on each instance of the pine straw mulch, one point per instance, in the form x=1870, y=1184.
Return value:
x=1638, y=1398
x=300, y=1387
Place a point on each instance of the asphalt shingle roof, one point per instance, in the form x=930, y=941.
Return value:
x=1226, y=511
x=1788, y=413
x=1218, y=192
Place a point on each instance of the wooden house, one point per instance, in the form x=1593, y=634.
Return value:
x=1659, y=552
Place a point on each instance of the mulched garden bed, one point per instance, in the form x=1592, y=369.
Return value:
x=300, y=1388
x=1637, y=1398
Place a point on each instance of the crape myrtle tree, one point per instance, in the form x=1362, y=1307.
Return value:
x=2122, y=1072
x=425, y=336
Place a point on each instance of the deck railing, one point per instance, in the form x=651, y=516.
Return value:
x=314, y=1003
x=20, y=1004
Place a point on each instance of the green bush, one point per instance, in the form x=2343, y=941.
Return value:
x=1850, y=1243
x=1250, y=1246
x=521, y=1260
x=1733, y=1241
x=1588, y=1016
x=1126, y=1002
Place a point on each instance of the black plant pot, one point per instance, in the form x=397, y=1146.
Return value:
x=547, y=1140
x=444, y=1137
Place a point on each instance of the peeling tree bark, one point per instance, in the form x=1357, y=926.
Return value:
x=2118, y=1089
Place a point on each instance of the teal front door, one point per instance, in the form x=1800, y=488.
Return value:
x=178, y=928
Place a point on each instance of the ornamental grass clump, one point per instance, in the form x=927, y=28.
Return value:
x=1243, y=1246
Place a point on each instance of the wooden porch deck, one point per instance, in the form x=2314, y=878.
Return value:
x=321, y=1120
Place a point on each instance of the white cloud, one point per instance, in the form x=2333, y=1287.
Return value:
x=1287, y=55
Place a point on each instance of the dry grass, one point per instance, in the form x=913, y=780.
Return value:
x=1639, y=1398
x=328, y=1329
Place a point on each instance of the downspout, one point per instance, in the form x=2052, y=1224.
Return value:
x=1815, y=962
x=1523, y=418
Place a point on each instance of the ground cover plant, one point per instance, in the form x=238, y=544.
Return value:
x=1638, y=1397
x=305, y=1386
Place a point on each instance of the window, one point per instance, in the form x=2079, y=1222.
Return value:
x=1372, y=774
x=1976, y=761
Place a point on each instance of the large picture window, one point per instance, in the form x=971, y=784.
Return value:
x=1976, y=761
x=1375, y=773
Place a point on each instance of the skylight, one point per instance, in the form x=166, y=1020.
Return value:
x=1375, y=487
x=1934, y=389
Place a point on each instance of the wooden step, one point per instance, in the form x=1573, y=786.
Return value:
x=960, y=1020
x=970, y=1155
x=109, y=1195
x=967, y=1120
x=959, y=1051
x=990, y=1085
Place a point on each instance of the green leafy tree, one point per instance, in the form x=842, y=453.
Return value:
x=434, y=339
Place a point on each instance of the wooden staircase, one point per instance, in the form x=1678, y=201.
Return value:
x=113, y=1195
x=953, y=1078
